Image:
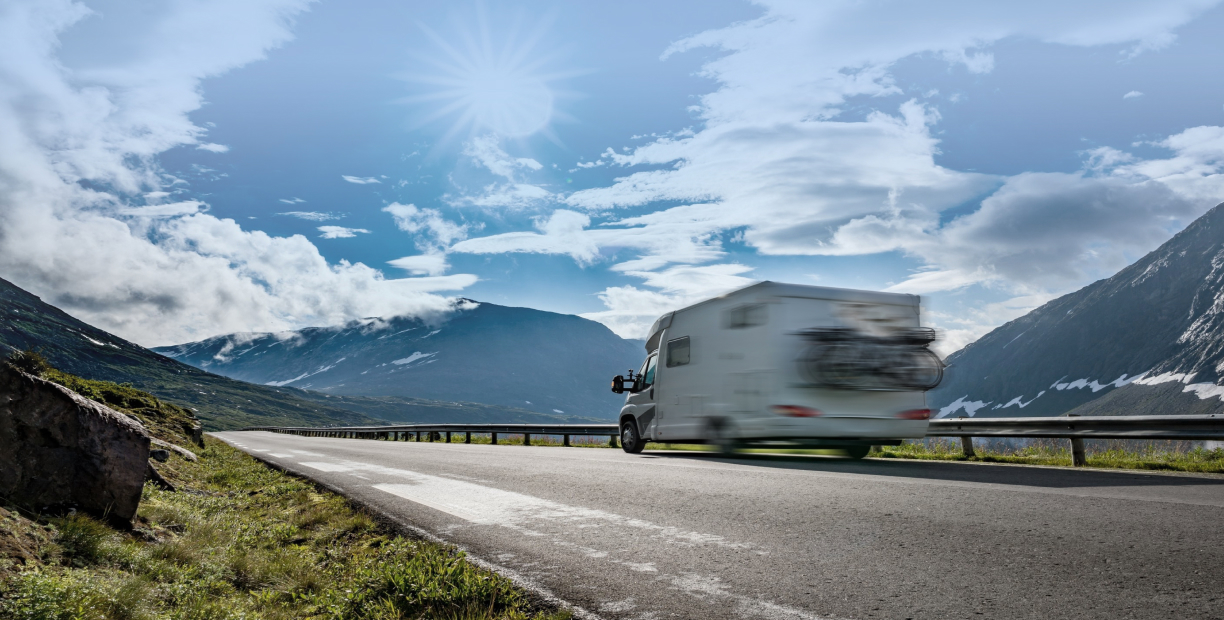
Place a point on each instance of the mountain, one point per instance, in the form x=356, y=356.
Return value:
x=220, y=402
x=1148, y=341
x=529, y=359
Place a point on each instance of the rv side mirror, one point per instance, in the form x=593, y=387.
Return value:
x=618, y=385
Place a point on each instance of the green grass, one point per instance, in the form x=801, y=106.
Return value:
x=1106, y=454
x=239, y=540
x=236, y=540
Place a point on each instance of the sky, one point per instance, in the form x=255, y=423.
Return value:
x=175, y=170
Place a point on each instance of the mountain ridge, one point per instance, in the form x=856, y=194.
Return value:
x=1158, y=320
x=550, y=363
x=220, y=403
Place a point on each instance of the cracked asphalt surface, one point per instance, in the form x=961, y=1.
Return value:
x=692, y=535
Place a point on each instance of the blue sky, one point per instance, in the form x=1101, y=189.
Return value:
x=177, y=170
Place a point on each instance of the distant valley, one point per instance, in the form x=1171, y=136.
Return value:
x=549, y=363
x=220, y=402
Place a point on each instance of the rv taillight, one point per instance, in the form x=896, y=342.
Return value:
x=795, y=411
x=915, y=414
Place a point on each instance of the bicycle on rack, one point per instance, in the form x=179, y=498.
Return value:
x=848, y=359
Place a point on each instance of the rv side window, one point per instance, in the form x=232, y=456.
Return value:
x=648, y=371
x=678, y=352
x=746, y=316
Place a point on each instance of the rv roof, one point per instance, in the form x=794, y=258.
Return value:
x=781, y=289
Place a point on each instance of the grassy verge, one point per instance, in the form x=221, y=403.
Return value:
x=237, y=540
x=1107, y=454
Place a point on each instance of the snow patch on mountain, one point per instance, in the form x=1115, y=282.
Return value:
x=99, y=343
x=306, y=374
x=1019, y=400
x=1094, y=385
x=970, y=406
x=413, y=358
x=1202, y=390
x=402, y=331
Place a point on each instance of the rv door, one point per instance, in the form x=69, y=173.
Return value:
x=642, y=400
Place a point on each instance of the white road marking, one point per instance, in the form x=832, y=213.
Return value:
x=486, y=505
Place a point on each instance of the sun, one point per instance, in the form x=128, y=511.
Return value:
x=486, y=81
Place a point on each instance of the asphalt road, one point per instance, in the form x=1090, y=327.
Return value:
x=690, y=535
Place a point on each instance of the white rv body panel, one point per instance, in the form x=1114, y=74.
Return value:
x=743, y=352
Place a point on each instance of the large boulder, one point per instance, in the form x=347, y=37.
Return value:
x=59, y=450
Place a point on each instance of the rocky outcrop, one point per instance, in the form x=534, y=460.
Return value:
x=59, y=450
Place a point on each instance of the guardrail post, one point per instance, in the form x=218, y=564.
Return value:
x=447, y=436
x=1078, y=459
x=493, y=438
x=467, y=437
x=565, y=440
x=967, y=447
x=612, y=441
x=418, y=435
x=526, y=439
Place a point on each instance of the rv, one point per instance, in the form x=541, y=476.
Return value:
x=783, y=364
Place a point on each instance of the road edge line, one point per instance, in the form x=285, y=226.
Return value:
x=540, y=593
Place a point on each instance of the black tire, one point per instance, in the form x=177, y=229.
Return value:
x=857, y=452
x=720, y=437
x=631, y=440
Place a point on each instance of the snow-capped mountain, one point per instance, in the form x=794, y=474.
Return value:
x=484, y=353
x=1148, y=341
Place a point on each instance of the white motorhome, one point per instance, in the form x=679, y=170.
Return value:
x=784, y=364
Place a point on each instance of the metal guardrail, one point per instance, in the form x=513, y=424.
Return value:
x=1088, y=427
x=1074, y=428
x=426, y=432
x=1079, y=428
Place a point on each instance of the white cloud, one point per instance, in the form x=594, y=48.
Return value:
x=1132, y=94
x=187, y=207
x=514, y=195
x=81, y=134
x=339, y=232
x=564, y=232
x=434, y=235
x=631, y=311
x=292, y=201
x=487, y=151
x=359, y=180
x=433, y=230
x=313, y=216
x=512, y=192
x=775, y=159
x=422, y=265
x=214, y=148
x=433, y=284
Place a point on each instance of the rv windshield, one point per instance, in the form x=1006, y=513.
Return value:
x=648, y=370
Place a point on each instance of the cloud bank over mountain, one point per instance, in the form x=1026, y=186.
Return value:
x=83, y=217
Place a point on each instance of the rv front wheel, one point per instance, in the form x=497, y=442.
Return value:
x=857, y=452
x=631, y=441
